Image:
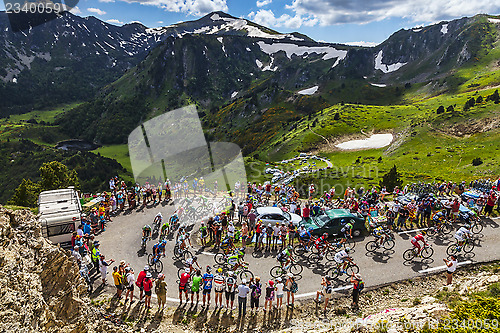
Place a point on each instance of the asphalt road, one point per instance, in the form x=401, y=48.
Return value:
x=122, y=239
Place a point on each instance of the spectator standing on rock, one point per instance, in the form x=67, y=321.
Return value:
x=117, y=278
x=451, y=265
x=358, y=285
x=243, y=291
x=76, y=254
x=326, y=291
x=130, y=284
x=148, y=286
x=291, y=288
x=103, y=267
x=140, y=279
x=161, y=291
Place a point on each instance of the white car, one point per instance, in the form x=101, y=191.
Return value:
x=271, y=215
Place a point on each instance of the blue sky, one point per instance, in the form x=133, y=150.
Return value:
x=343, y=21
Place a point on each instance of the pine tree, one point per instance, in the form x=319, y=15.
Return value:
x=391, y=179
x=26, y=194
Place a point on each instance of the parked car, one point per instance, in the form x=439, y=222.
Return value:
x=274, y=214
x=333, y=220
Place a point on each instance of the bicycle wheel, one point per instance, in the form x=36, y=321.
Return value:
x=469, y=246
x=333, y=272
x=246, y=274
x=452, y=250
x=408, y=255
x=220, y=259
x=277, y=271
x=158, y=266
x=427, y=252
x=179, y=272
x=177, y=252
x=296, y=269
x=446, y=228
x=330, y=255
x=299, y=250
x=315, y=257
x=389, y=244
x=187, y=255
x=351, y=243
x=371, y=246
x=350, y=269
x=150, y=259
x=431, y=231
x=476, y=228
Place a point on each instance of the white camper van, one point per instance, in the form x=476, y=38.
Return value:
x=60, y=214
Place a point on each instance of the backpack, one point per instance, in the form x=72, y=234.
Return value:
x=257, y=291
x=294, y=287
x=361, y=286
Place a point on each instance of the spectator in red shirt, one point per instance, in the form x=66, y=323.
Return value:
x=147, y=284
x=183, y=284
x=455, y=208
x=488, y=209
x=139, y=281
x=305, y=212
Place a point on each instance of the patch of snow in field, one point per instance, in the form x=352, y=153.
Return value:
x=380, y=85
x=444, y=29
x=309, y=91
x=248, y=49
x=373, y=142
x=234, y=94
x=270, y=66
x=14, y=80
x=259, y=63
x=202, y=30
x=293, y=49
x=496, y=21
x=387, y=68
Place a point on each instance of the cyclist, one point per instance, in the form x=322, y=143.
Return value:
x=379, y=233
x=342, y=258
x=165, y=228
x=158, y=219
x=415, y=241
x=146, y=231
x=190, y=262
x=305, y=237
x=285, y=257
x=236, y=260
x=462, y=234
x=159, y=248
x=227, y=245
x=174, y=219
x=346, y=231
x=439, y=218
x=321, y=243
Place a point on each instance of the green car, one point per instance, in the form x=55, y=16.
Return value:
x=332, y=221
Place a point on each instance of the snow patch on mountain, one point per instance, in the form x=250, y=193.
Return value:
x=293, y=49
x=259, y=63
x=380, y=85
x=387, y=68
x=309, y=91
x=444, y=29
x=492, y=20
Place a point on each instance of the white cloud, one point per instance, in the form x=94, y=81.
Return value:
x=362, y=43
x=329, y=12
x=76, y=10
x=160, y=22
x=190, y=7
x=115, y=21
x=96, y=11
x=264, y=3
x=267, y=18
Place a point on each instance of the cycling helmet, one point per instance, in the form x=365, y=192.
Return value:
x=146, y=227
x=161, y=275
x=219, y=270
x=269, y=225
x=230, y=273
x=468, y=226
x=310, y=228
x=424, y=233
x=187, y=270
x=146, y=268
x=325, y=234
x=241, y=254
x=209, y=269
x=195, y=258
x=164, y=242
x=347, y=249
x=290, y=247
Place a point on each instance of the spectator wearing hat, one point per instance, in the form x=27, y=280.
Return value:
x=95, y=255
x=291, y=288
x=161, y=291
x=117, y=278
x=129, y=276
x=276, y=235
x=76, y=254
x=183, y=284
x=326, y=291
x=451, y=266
x=357, y=283
x=256, y=288
x=279, y=292
x=147, y=284
x=270, y=290
x=243, y=291
x=140, y=279
x=103, y=267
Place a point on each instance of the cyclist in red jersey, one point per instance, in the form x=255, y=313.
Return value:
x=320, y=242
x=415, y=241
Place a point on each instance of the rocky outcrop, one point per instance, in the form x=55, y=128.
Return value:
x=40, y=286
